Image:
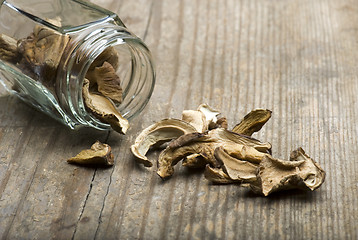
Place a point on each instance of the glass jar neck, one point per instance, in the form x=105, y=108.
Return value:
x=84, y=47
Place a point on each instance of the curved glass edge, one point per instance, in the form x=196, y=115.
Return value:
x=84, y=52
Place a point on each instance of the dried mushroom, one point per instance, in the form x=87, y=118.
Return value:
x=8, y=49
x=100, y=154
x=41, y=52
x=103, y=109
x=235, y=168
x=224, y=135
x=229, y=157
x=194, y=160
x=218, y=176
x=244, y=152
x=109, y=55
x=195, y=118
x=210, y=115
x=253, y=122
x=205, y=145
x=220, y=123
x=186, y=145
x=204, y=118
x=108, y=82
x=158, y=134
x=300, y=172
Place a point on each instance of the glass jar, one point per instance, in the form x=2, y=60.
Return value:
x=51, y=78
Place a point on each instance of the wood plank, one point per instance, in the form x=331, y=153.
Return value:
x=297, y=58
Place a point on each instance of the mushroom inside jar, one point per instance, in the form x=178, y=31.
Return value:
x=38, y=56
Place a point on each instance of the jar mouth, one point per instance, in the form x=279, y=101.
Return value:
x=136, y=72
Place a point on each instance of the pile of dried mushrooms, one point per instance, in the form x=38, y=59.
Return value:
x=202, y=140
x=39, y=55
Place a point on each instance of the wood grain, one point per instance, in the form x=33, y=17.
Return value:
x=297, y=58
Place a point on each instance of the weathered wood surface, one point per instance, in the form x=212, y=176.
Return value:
x=297, y=58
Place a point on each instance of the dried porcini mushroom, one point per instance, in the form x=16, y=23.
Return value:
x=204, y=118
x=103, y=109
x=220, y=123
x=194, y=160
x=100, y=154
x=195, y=118
x=210, y=115
x=218, y=176
x=8, y=49
x=253, y=122
x=157, y=134
x=205, y=145
x=299, y=172
x=182, y=147
x=108, y=82
x=235, y=168
x=41, y=52
x=244, y=152
x=109, y=55
x=233, y=157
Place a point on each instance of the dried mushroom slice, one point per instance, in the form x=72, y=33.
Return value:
x=217, y=176
x=210, y=115
x=301, y=172
x=220, y=123
x=195, y=118
x=235, y=168
x=243, y=152
x=41, y=52
x=224, y=135
x=108, y=82
x=194, y=160
x=310, y=172
x=204, y=144
x=158, y=133
x=109, y=55
x=204, y=118
x=8, y=49
x=252, y=122
x=104, y=110
x=184, y=146
x=100, y=154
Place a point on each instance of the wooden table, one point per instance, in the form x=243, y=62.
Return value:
x=298, y=58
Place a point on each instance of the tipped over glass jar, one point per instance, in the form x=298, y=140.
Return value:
x=52, y=52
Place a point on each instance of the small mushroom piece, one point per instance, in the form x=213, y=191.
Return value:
x=194, y=160
x=210, y=115
x=104, y=110
x=109, y=55
x=100, y=154
x=252, y=122
x=220, y=123
x=42, y=51
x=8, y=49
x=235, y=168
x=195, y=118
x=186, y=145
x=108, y=82
x=300, y=172
x=224, y=135
x=310, y=172
x=243, y=152
x=217, y=176
x=156, y=134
